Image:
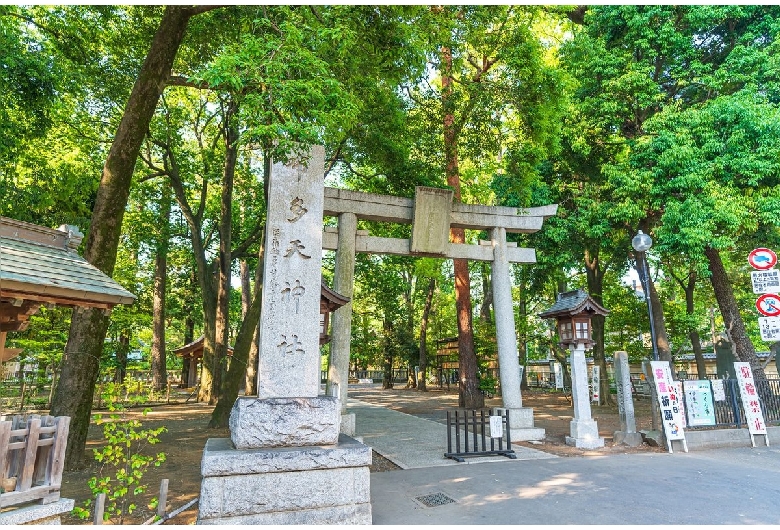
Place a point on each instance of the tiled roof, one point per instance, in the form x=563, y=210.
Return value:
x=573, y=302
x=41, y=263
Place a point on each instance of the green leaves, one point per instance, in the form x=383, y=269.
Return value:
x=123, y=457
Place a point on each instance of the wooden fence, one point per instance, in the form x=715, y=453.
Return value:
x=32, y=458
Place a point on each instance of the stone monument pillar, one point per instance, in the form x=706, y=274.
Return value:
x=285, y=462
x=583, y=428
x=343, y=283
x=521, y=419
x=627, y=434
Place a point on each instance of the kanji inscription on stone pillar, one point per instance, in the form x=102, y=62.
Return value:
x=289, y=363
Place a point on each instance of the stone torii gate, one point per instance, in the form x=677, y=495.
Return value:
x=432, y=213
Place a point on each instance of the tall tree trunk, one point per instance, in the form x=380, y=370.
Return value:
x=387, y=379
x=250, y=378
x=122, y=350
x=701, y=367
x=421, y=385
x=595, y=278
x=729, y=310
x=83, y=351
x=522, y=337
x=159, y=373
x=189, y=336
x=487, y=293
x=237, y=371
x=469, y=395
x=225, y=260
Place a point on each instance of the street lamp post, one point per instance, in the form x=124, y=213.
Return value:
x=642, y=243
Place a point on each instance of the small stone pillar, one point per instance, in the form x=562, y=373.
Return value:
x=627, y=434
x=583, y=428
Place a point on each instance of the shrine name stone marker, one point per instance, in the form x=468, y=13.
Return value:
x=285, y=462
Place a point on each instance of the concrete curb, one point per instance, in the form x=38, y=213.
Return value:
x=718, y=438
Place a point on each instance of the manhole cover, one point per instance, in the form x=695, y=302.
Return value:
x=435, y=499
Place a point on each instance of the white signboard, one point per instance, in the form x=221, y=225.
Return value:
x=595, y=384
x=669, y=402
x=770, y=328
x=718, y=391
x=680, y=396
x=750, y=401
x=496, y=428
x=698, y=403
x=558, y=375
x=767, y=281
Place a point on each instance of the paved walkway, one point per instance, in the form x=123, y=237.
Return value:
x=722, y=486
x=411, y=442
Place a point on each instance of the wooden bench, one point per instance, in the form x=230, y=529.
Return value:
x=32, y=458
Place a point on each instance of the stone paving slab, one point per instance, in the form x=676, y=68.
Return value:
x=411, y=442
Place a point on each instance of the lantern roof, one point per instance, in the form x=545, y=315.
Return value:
x=573, y=303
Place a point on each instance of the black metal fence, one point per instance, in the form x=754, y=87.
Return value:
x=730, y=413
x=476, y=424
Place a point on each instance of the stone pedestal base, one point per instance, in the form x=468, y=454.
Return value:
x=521, y=424
x=631, y=439
x=39, y=514
x=318, y=485
x=584, y=435
x=348, y=424
x=284, y=422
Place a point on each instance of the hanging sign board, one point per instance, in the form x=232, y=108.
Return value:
x=767, y=281
x=750, y=402
x=770, y=328
x=699, y=403
x=762, y=259
x=669, y=402
x=768, y=305
x=718, y=391
x=595, y=384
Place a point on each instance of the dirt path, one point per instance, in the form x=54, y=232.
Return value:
x=187, y=432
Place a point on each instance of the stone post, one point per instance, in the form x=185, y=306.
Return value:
x=343, y=283
x=584, y=430
x=521, y=420
x=627, y=434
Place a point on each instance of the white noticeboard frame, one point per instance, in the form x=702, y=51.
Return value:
x=750, y=402
x=699, y=402
x=669, y=402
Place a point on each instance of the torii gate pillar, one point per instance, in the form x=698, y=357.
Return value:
x=521, y=420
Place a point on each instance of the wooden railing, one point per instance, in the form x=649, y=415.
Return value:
x=32, y=458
